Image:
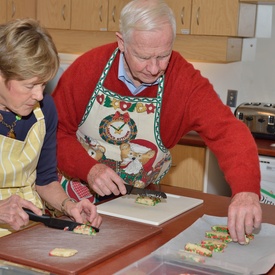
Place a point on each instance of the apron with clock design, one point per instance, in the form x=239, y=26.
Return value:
x=19, y=161
x=125, y=135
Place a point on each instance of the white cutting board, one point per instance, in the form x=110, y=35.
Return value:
x=125, y=207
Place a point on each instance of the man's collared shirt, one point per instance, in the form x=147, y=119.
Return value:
x=128, y=82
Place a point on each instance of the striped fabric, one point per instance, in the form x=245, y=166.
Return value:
x=18, y=161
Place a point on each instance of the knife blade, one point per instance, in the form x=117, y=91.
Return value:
x=53, y=222
x=144, y=192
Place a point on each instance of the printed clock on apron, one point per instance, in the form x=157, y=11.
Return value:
x=118, y=128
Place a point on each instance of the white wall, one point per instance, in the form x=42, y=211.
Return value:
x=254, y=76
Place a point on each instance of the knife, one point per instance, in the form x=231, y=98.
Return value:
x=53, y=222
x=144, y=192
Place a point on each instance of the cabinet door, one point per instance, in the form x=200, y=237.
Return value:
x=187, y=167
x=21, y=9
x=182, y=11
x=3, y=13
x=54, y=14
x=115, y=7
x=215, y=17
x=89, y=15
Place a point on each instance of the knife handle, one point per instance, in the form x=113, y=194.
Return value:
x=36, y=218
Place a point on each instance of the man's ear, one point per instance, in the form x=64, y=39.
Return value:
x=120, y=41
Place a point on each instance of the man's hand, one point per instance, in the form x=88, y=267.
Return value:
x=83, y=211
x=11, y=211
x=244, y=214
x=104, y=181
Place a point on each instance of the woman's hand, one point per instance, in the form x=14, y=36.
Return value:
x=83, y=211
x=11, y=211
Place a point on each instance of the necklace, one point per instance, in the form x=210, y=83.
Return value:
x=11, y=132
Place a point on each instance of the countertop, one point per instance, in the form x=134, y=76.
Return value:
x=213, y=205
x=266, y=147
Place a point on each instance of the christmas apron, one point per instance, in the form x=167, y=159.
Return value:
x=19, y=161
x=123, y=133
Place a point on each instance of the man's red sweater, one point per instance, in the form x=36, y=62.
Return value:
x=189, y=104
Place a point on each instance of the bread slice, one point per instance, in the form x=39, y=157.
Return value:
x=84, y=229
x=63, y=252
x=214, y=245
x=225, y=237
x=146, y=200
x=220, y=228
x=196, y=248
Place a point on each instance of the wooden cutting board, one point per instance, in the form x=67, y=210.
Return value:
x=32, y=246
x=126, y=208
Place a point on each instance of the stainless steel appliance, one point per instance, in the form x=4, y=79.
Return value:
x=259, y=118
x=267, y=166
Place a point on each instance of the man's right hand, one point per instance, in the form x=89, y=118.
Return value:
x=104, y=181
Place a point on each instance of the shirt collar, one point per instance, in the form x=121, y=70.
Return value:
x=122, y=75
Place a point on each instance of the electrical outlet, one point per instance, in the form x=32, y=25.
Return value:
x=231, y=98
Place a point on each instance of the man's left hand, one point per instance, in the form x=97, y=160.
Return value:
x=244, y=214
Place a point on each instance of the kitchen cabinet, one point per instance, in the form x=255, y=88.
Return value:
x=115, y=7
x=54, y=13
x=226, y=18
x=89, y=15
x=197, y=168
x=3, y=14
x=214, y=17
x=215, y=39
x=182, y=12
x=20, y=9
x=80, y=15
x=187, y=170
x=261, y=2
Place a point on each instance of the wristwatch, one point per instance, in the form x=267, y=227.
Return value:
x=64, y=202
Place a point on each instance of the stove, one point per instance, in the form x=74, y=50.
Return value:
x=259, y=118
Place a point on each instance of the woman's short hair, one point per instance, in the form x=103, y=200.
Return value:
x=26, y=51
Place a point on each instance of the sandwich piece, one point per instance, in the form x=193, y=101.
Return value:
x=63, y=252
x=148, y=200
x=196, y=248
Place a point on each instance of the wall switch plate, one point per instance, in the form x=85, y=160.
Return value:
x=231, y=98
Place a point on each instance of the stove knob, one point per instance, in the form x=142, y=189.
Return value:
x=270, y=120
x=240, y=116
x=261, y=120
x=249, y=118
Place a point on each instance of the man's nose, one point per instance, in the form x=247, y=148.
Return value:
x=153, y=66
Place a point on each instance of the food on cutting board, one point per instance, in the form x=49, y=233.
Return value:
x=63, y=252
x=218, y=240
x=84, y=229
x=148, y=200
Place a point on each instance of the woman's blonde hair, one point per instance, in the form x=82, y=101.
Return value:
x=26, y=51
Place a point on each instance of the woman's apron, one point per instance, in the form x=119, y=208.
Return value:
x=123, y=133
x=18, y=162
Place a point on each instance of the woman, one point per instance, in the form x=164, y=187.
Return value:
x=28, y=60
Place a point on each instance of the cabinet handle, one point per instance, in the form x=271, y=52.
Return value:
x=100, y=13
x=13, y=9
x=63, y=12
x=113, y=14
x=198, y=16
x=182, y=15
